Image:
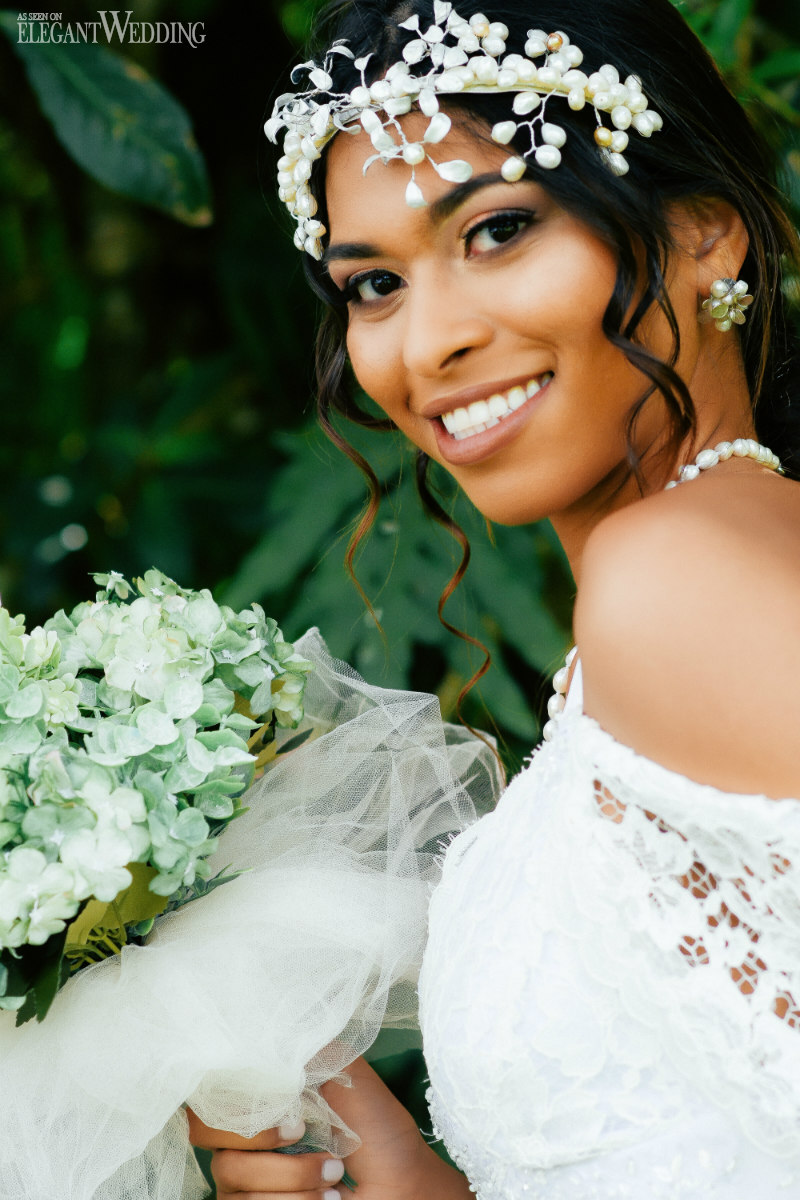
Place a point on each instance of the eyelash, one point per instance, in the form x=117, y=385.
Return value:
x=350, y=293
x=522, y=217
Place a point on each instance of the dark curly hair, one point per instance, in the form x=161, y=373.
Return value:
x=708, y=150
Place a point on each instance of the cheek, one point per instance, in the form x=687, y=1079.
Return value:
x=373, y=355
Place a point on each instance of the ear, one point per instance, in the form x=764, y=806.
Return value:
x=713, y=234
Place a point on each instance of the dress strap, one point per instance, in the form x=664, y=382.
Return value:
x=574, y=699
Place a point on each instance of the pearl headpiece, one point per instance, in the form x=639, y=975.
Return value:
x=452, y=55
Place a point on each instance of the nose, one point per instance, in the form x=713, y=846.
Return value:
x=445, y=322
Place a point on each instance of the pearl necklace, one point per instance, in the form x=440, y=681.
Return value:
x=741, y=448
x=705, y=460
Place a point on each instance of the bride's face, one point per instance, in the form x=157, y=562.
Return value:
x=484, y=309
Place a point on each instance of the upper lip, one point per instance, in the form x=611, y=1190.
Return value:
x=480, y=391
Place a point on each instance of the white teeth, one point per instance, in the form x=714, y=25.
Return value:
x=478, y=412
x=484, y=414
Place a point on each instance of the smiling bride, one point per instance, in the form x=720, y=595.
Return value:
x=552, y=252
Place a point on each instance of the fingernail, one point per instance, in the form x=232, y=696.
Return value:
x=332, y=1170
x=291, y=1133
x=332, y=1194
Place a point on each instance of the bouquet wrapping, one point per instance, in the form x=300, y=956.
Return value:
x=244, y=1001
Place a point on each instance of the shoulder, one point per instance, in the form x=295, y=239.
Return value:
x=687, y=622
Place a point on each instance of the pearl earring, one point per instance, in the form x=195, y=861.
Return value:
x=726, y=304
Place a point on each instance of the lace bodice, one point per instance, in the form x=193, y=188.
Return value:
x=609, y=996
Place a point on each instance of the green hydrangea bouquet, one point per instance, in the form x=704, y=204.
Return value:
x=129, y=728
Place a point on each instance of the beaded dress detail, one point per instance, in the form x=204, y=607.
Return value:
x=609, y=995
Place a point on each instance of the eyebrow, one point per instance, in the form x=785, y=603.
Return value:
x=437, y=212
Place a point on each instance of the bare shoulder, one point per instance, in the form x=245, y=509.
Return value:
x=688, y=622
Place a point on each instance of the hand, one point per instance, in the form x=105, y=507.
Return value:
x=392, y=1163
x=250, y=1168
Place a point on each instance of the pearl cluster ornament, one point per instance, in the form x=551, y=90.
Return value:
x=461, y=55
x=726, y=304
x=705, y=460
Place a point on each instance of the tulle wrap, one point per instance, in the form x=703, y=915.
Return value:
x=244, y=1002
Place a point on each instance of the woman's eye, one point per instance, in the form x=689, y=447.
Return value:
x=496, y=231
x=376, y=285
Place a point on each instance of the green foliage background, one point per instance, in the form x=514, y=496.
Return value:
x=155, y=363
x=155, y=341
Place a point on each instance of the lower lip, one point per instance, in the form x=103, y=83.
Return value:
x=482, y=445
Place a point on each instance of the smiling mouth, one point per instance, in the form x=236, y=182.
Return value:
x=481, y=415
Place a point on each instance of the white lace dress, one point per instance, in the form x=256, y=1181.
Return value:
x=610, y=989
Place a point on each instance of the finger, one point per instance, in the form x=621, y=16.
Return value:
x=206, y=1138
x=238, y=1171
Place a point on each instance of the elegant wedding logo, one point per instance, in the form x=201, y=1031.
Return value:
x=37, y=28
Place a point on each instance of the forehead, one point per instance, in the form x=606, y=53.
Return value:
x=356, y=198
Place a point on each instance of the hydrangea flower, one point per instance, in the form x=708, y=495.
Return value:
x=124, y=730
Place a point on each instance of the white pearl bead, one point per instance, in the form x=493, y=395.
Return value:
x=555, y=705
x=503, y=132
x=380, y=91
x=642, y=124
x=609, y=73
x=724, y=450
x=706, y=459
x=506, y=78
x=514, y=168
x=719, y=289
x=576, y=99
x=621, y=116
x=560, y=679
x=618, y=164
x=485, y=70
x=414, y=153
x=689, y=472
x=548, y=75
x=547, y=157
x=493, y=45
x=740, y=448
x=548, y=730
x=306, y=204
x=553, y=135
x=619, y=141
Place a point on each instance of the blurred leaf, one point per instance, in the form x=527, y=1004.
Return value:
x=783, y=64
x=120, y=125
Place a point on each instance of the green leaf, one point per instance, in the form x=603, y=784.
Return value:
x=133, y=905
x=783, y=64
x=121, y=126
x=36, y=972
x=294, y=743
